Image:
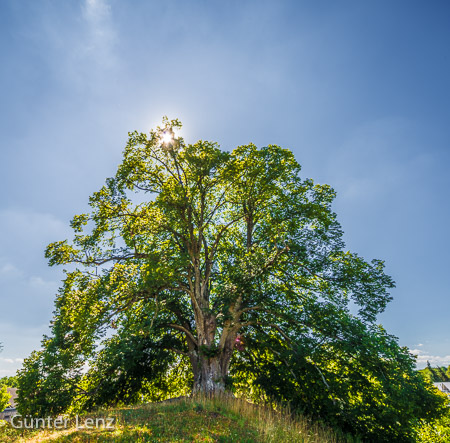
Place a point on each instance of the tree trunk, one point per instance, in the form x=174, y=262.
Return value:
x=212, y=372
x=210, y=360
x=210, y=378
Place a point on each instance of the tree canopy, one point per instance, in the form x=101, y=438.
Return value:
x=205, y=270
x=436, y=374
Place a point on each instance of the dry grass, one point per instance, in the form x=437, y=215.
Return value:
x=224, y=419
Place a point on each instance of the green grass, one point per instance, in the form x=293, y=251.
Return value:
x=187, y=420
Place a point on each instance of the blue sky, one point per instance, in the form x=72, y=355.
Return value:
x=358, y=90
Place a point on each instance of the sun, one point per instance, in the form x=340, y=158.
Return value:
x=167, y=137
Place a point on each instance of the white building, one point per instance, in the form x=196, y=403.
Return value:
x=443, y=386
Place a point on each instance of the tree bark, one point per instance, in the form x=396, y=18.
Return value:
x=213, y=361
x=211, y=374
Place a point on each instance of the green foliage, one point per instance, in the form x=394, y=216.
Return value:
x=434, y=375
x=366, y=384
x=218, y=245
x=9, y=382
x=209, y=351
x=4, y=398
x=48, y=379
x=442, y=374
x=437, y=431
x=134, y=366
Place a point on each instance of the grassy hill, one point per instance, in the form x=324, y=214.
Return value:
x=184, y=420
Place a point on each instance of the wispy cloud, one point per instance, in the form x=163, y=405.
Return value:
x=81, y=47
x=435, y=360
x=24, y=235
x=9, y=270
x=9, y=366
x=96, y=10
x=11, y=360
x=28, y=286
x=19, y=340
x=100, y=36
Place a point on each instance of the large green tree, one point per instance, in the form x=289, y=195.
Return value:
x=193, y=256
x=217, y=242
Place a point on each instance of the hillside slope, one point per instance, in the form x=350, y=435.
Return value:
x=184, y=420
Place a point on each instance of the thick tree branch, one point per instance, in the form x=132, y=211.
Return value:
x=183, y=329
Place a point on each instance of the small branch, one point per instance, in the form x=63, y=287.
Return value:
x=113, y=258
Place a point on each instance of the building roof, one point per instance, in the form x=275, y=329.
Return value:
x=443, y=386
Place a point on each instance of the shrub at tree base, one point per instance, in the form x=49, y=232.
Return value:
x=203, y=270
